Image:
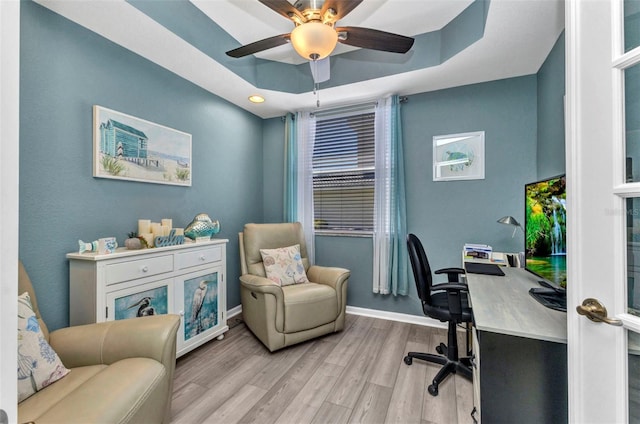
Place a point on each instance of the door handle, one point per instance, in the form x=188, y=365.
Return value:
x=596, y=312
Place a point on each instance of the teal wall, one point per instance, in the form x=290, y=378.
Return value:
x=238, y=161
x=444, y=215
x=551, y=89
x=65, y=70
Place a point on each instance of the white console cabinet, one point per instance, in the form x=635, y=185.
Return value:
x=187, y=279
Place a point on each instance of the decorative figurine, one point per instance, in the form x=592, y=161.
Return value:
x=202, y=227
x=134, y=242
x=87, y=247
x=101, y=246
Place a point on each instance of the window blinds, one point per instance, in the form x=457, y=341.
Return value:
x=344, y=171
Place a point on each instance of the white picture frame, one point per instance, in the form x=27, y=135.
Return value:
x=130, y=148
x=458, y=156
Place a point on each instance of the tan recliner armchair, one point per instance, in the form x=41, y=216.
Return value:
x=121, y=371
x=282, y=316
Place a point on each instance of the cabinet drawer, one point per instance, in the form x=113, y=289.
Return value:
x=131, y=270
x=199, y=257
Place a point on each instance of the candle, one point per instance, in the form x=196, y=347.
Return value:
x=166, y=230
x=178, y=231
x=167, y=222
x=148, y=237
x=144, y=226
x=156, y=228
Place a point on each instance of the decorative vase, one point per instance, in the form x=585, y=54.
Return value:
x=202, y=227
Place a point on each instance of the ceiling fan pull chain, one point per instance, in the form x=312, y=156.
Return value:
x=316, y=91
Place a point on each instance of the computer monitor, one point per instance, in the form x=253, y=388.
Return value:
x=545, y=225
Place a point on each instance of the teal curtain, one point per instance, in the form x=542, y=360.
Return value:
x=398, y=258
x=290, y=169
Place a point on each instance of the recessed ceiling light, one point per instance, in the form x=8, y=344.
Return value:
x=256, y=99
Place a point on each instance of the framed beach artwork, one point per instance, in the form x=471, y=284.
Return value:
x=458, y=156
x=129, y=148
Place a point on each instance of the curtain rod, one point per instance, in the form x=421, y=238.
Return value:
x=349, y=108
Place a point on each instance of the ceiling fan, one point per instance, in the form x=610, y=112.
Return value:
x=315, y=36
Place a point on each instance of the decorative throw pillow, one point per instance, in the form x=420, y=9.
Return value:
x=38, y=364
x=284, y=265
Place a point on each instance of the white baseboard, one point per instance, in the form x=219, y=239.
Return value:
x=237, y=310
x=396, y=316
x=373, y=313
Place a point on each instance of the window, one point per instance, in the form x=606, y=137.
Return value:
x=344, y=171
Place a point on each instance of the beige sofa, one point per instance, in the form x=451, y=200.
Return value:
x=121, y=371
x=282, y=316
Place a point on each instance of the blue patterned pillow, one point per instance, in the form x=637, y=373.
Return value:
x=38, y=364
x=284, y=265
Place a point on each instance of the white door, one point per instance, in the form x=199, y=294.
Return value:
x=603, y=180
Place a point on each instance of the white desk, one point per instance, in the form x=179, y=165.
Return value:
x=520, y=351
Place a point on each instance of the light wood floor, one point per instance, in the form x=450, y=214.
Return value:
x=355, y=376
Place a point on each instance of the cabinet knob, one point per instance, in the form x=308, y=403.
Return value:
x=145, y=268
x=202, y=257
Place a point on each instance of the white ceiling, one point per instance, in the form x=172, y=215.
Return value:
x=518, y=37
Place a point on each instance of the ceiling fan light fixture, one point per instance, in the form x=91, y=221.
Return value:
x=314, y=40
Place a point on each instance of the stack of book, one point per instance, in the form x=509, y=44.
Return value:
x=478, y=251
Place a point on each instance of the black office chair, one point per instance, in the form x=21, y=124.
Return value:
x=446, y=302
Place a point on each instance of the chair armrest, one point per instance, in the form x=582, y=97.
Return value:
x=108, y=342
x=450, y=287
x=259, y=284
x=452, y=273
x=333, y=277
x=330, y=276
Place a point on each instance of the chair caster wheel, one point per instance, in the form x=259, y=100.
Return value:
x=408, y=360
x=433, y=390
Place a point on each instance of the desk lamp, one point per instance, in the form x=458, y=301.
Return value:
x=509, y=220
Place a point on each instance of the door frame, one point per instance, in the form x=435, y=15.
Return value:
x=9, y=149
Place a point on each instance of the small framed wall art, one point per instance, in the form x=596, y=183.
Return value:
x=458, y=156
x=129, y=148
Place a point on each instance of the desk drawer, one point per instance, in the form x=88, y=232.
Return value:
x=131, y=270
x=199, y=257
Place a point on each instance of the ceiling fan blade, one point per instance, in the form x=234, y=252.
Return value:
x=284, y=8
x=258, y=46
x=374, y=39
x=341, y=8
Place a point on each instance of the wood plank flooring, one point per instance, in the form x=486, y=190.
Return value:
x=355, y=376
